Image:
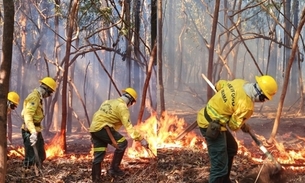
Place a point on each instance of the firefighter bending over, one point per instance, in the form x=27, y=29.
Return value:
x=111, y=115
x=230, y=107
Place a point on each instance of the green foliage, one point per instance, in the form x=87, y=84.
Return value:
x=124, y=31
x=89, y=12
x=106, y=13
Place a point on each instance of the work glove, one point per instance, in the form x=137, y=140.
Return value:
x=144, y=143
x=33, y=138
x=245, y=128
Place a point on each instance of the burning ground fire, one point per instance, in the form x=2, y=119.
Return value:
x=162, y=132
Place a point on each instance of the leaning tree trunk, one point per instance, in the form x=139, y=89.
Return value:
x=146, y=83
x=286, y=79
x=211, y=49
x=5, y=69
x=70, y=25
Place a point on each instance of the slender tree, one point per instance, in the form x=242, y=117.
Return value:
x=70, y=29
x=159, y=57
x=286, y=79
x=210, y=92
x=5, y=68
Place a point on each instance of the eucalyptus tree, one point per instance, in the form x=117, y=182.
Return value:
x=5, y=68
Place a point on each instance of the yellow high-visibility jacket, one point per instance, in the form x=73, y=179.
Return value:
x=32, y=112
x=230, y=105
x=114, y=113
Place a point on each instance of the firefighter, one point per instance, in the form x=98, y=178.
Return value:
x=32, y=114
x=12, y=100
x=111, y=115
x=12, y=103
x=229, y=108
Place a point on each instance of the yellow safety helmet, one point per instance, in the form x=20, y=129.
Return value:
x=267, y=84
x=50, y=82
x=13, y=97
x=220, y=84
x=131, y=92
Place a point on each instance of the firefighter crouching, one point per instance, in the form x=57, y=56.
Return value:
x=111, y=115
x=32, y=115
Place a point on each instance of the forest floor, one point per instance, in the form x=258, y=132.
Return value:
x=175, y=165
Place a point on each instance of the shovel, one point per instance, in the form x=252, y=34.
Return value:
x=266, y=152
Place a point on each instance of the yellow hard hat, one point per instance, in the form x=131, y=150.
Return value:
x=13, y=97
x=220, y=84
x=131, y=92
x=267, y=84
x=50, y=82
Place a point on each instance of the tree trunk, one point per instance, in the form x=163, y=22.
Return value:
x=128, y=44
x=286, y=79
x=210, y=92
x=176, y=63
x=294, y=84
x=57, y=56
x=172, y=65
x=5, y=68
x=70, y=95
x=153, y=25
x=287, y=41
x=146, y=83
x=159, y=57
x=70, y=28
x=136, y=77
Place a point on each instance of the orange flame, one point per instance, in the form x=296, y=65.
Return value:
x=162, y=133
x=53, y=149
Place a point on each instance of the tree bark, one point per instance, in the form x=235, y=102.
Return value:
x=5, y=69
x=159, y=57
x=153, y=24
x=70, y=28
x=210, y=92
x=146, y=83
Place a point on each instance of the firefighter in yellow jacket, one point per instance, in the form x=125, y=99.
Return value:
x=111, y=115
x=32, y=114
x=229, y=108
x=12, y=103
x=12, y=100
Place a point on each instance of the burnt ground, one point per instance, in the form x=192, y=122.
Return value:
x=179, y=165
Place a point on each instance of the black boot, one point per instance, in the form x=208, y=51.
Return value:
x=116, y=161
x=96, y=172
x=227, y=177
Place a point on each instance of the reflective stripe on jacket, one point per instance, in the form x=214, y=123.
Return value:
x=32, y=112
x=114, y=113
x=229, y=105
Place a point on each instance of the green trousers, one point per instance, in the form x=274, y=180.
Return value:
x=29, y=158
x=221, y=152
